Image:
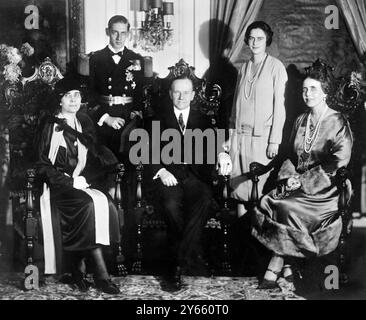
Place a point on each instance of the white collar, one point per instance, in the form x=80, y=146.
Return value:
x=185, y=113
x=113, y=50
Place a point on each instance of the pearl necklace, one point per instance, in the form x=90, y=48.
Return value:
x=309, y=139
x=251, y=81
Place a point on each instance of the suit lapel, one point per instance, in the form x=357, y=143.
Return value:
x=110, y=65
x=193, y=118
x=172, y=121
x=125, y=59
x=193, y=121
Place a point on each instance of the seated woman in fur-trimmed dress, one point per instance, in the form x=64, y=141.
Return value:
x=77, y=217
x=299, y=217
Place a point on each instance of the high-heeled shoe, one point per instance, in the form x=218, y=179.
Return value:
x=269, y=284
x=107, y=286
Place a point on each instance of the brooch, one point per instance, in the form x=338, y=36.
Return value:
x=135, y=66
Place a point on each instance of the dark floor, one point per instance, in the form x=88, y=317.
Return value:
x=356, y=288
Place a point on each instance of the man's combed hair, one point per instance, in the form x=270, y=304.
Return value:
x=182, y=77
x=118, y=19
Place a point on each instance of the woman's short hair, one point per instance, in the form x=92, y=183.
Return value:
x=323, y=73
x=259, y=25
x=118, y=19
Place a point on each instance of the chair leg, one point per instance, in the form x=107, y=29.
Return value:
x=120, y=258
x=137, y=265
x=344, y=213
x=226, y=266
x=31, y=271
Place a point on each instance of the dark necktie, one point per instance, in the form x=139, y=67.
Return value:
x=181, y=122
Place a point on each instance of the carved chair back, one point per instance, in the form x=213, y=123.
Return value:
x=24, y=103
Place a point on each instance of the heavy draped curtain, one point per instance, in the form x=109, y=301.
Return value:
x=229, y=20
x=354, y=12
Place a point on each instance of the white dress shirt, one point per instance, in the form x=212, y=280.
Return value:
x=116, y=58
x=185, y=113
x=177, y=112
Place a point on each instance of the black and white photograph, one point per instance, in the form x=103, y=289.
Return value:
x=192, y=152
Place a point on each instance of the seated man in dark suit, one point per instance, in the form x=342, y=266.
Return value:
x=182, y=185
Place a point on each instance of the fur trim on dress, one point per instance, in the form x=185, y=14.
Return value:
x=312, y=181
x=287, y=241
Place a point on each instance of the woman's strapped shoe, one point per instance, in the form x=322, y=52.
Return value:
x=107, y=286
x=269, y=284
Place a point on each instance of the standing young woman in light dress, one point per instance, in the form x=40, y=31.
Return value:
x=258, y=113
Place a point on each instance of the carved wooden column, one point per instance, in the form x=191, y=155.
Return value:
x=254, y=167
x=76, y=34
x=120, y=259
x=137, y=266
x=30, y=220
x=31, y=272
x=226, y=266
x=342, y=175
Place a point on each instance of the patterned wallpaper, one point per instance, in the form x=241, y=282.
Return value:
x=301, y=37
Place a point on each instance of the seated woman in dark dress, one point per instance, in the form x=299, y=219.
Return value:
x=77, y=217
x=299, y=217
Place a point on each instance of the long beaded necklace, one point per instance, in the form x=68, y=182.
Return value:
x=255, y=76
x=310, y=139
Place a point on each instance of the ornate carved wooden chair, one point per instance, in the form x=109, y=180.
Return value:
x=25, y=102
x=149, y=222
x=347, y=99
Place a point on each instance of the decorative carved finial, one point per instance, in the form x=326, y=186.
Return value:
x=47, y=72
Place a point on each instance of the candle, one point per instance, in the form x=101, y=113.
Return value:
x=156, y=3
x=148, y=67
x=168, y=22
x=168, y=8
x=144, y=5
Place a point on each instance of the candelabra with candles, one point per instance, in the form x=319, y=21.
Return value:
x=155, y=25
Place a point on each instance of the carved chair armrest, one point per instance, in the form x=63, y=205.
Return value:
x=256, y=170
x=345, y=193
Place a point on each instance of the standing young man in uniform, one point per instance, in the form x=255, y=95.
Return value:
x=116, y=87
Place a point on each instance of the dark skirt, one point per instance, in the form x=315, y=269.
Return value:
x=77, y=219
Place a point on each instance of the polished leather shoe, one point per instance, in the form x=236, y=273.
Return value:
x=107, y=286
x=79, y=279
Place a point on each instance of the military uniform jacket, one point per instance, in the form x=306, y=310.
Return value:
x=110, y=79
